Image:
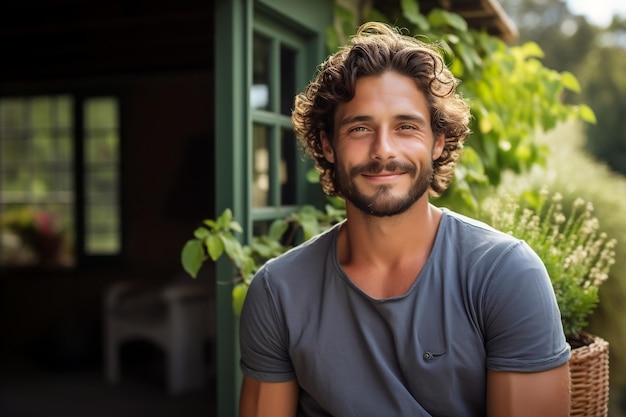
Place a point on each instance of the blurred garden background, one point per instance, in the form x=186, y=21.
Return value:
x=588, y=160
x=115, y=143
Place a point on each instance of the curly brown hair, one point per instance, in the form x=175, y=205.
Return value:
x=377, y=48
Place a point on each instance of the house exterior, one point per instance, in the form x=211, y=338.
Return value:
x=197, y=96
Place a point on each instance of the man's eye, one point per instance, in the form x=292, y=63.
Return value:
x=407, y=127
x=358, y=129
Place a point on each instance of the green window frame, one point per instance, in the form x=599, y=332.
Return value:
x=242, y=128
x=278, y=169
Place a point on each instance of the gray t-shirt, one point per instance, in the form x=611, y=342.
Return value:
x=483, y=300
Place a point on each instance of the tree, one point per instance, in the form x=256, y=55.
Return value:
x=602, y=74
x=564, y=37
x=596, y=56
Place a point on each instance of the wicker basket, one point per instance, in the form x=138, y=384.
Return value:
x=589, y=370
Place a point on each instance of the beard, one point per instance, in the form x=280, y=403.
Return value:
x=383, y=202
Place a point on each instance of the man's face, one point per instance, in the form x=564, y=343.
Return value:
x=383, y=145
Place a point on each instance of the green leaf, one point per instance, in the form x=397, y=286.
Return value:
x=248, y=268
x=457, y=68
x=232, y=247
x=570, y=81
x=445, y=47
x=411, y=11
x=223, y=221
x=465, y=54
x=192, y=257
x=239, y=295
x=587, y=114
x=531, y=49
x=277, y=229
x=471, y=160
x=201, y=233
x=214, y=246
x=263, y=248
x=235, y=227
x=441, y=18
x=313, y=176
x=451, y=38
x=210, y=223
x=310, y=227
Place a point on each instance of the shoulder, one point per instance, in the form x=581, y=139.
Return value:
x=287, y=287
x=311, y=253
x=472, y=235
x=299, y=267
x=483, y=249
x=459, y=223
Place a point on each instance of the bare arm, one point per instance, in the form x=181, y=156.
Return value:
x=537, y=394
x=268, y=399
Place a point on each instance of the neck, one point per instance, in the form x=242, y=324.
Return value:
x=383, y=256
x=389, y=239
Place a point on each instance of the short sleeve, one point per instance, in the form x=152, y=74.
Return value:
x=522, y=320
x=262, y=335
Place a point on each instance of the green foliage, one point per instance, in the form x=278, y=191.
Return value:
x=216, y=238
x=511, y=94
x=596, y=56
x=605, y=91
x=577, y=256
x=574, y=173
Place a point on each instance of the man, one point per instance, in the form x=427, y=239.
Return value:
x=403, y=309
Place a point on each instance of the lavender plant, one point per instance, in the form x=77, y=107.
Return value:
x=577, y=255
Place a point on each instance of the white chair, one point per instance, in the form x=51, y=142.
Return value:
x=178, y=318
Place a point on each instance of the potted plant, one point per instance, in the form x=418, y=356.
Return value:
x=32, y=236
x=578, y=258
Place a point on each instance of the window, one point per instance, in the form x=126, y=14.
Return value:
x=59, y=179
x=101, y=177
x=275, y=173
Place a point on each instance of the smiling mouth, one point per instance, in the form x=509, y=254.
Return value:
x=383, y=175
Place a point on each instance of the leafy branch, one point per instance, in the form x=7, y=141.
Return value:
x=215, y=238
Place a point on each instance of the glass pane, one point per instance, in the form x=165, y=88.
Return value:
x=36, y=183
x=41, y=112
x=102, y=182
x=12, y=114
x=260, y=92
x=287, y=79
x=260, y=166
x=288, y=167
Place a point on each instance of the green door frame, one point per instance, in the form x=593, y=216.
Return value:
x=234, y=22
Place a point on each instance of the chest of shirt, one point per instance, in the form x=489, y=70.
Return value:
x=400, y=351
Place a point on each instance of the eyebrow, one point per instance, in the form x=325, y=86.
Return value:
x=363, y=118
x=355, y=119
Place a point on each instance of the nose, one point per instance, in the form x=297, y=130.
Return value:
x=383, y=147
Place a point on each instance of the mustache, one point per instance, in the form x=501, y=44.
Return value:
x=376, y=167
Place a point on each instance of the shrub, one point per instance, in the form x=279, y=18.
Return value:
x=576, y=254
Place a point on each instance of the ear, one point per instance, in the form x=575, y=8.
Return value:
x=327, y=148
x=440, y=142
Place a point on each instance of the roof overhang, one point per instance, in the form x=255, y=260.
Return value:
x=485, y=15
